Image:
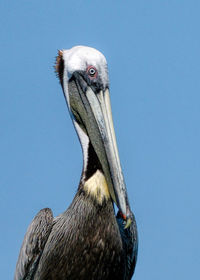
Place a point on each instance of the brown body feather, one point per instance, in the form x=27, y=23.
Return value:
x=84, y=243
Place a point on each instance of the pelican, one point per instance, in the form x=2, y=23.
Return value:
x=88, y=241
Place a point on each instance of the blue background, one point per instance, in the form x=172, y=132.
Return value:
x=152, y=49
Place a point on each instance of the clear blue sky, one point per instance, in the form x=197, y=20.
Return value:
x=153, y=53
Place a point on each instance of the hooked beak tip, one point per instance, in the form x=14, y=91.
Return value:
x=127, y=219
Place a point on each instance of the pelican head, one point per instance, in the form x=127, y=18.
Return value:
x=84, y=78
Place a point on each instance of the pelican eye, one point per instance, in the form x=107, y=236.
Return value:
x=92, y=71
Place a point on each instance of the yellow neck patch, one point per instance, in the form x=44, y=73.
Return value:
x=97, y=187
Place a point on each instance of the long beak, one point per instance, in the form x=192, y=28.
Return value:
x=100, y=104
x=99, y=117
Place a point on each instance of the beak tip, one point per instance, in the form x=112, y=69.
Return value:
x=127, y=220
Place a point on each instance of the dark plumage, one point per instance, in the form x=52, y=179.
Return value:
x=87, y=241
x=33, y=244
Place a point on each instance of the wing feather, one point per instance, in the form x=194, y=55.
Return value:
x=130, y=243
x=33, y=244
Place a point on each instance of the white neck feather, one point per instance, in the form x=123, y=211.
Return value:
x=84, y=142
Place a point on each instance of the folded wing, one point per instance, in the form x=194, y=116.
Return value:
x=130, y=243
x=33, y=244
